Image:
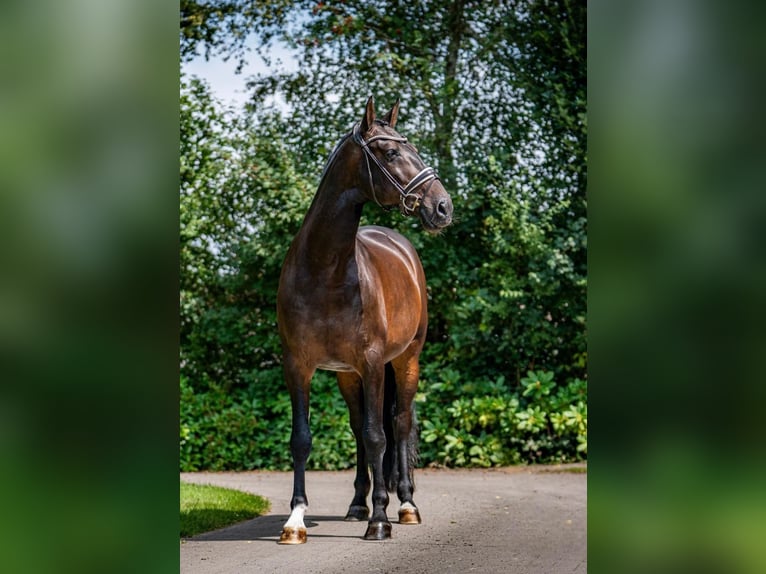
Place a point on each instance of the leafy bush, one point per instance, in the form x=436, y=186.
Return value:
x=483, y=424
x=244, y=429
x=463, y=423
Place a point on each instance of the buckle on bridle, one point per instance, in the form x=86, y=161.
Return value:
x=408, y=209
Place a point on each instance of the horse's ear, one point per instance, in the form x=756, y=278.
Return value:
x=369, y=116
x=391, y=116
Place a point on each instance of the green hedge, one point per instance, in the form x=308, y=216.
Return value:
x=462, y=423
x=507, y=296
x=465, y=423
x=246, y=429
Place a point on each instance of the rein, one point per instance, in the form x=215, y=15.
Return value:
x=409, y=201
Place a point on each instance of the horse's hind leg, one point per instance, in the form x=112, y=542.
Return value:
x=379, y=527
x=406, y=372
x=298, y=381
x=350, y=385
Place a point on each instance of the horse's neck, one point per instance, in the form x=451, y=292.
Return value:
x=327, y=239
x=328, y=234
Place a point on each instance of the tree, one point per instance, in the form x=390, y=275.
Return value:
x=221, y=27
x=241, y=201
x=494, y=96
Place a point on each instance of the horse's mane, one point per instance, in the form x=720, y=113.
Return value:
x=334, y=156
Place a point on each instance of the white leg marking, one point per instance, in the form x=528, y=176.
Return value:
x=296, y=517
x=407, y=506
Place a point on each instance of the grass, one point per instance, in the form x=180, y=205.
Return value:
x=572, y=468
x=205, y=507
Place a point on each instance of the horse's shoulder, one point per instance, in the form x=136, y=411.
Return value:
x=386, y=250
x=382, y=235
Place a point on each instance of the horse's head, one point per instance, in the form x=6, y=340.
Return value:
x=395, y=174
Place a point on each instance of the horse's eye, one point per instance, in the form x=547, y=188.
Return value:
x=391, y=154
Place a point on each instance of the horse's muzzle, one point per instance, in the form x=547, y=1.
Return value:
x=436, y=212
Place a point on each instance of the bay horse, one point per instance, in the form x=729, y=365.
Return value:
x=353, y=300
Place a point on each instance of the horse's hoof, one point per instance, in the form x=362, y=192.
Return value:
x=409, y=516
x=357, y=513
x=293, y=535
x=378, y=531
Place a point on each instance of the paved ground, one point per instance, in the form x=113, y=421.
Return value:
x=518, y=520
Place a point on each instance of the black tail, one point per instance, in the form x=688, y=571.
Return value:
x=391, y=455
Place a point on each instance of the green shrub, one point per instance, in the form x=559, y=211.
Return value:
x=462, y=423
x=485, y=424
x=250, y=429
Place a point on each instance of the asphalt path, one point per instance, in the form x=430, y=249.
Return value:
x=513, y=520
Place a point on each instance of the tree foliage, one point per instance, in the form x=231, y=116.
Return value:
x=222, y=27
x=242, y=200
x=493, y=95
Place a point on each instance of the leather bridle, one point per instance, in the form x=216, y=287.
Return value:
x=408, y=201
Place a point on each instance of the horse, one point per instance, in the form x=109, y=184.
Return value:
x=353, y=300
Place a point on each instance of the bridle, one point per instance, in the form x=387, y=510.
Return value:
x=408, y=201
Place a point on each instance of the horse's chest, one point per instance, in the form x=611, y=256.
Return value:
x=326, y=313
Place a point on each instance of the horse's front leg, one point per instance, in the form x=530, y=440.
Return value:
x=298, y=379
x=351, y=388
x=379, y=527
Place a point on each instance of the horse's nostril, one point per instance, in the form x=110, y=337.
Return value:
x=441, y=208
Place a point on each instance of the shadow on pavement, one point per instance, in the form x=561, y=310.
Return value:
x=267, y=529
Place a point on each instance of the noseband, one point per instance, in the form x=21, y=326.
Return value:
x=408, y=201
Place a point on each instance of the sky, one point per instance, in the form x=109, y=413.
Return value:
x=227, y=85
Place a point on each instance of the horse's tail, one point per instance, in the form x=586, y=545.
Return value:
x=391, y=455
